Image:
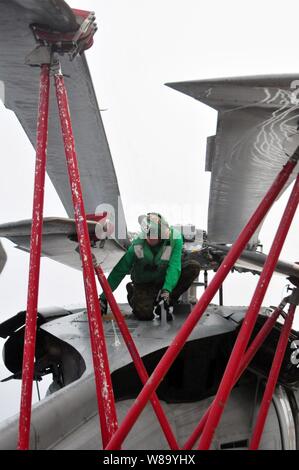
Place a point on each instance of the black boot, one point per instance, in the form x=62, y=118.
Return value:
x=130, y=293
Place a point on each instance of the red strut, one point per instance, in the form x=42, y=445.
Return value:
x=106, y=404
x=272, y=380
x=35, y=254
x=179, y=341
x=227, y=381
x=141, y=370
x=247, y=358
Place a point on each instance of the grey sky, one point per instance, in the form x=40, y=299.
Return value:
x=157, y=136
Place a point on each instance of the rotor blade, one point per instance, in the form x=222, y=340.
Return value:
x=21, y=91
x=257, y=128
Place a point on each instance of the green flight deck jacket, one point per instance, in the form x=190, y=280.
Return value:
x=150, y=264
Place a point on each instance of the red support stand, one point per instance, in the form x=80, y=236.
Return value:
x=272, y=380
x=111, y=436
x=141, y=370
x=248, y=356
x=35, y=254
x=179, y=341
x=227, y=381
x=106, y=404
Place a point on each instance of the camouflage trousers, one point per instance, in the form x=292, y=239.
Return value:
x=142, y=297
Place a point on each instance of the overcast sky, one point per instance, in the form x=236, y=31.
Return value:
x=157, y=136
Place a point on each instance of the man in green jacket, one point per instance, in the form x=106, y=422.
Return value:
x=154, y=262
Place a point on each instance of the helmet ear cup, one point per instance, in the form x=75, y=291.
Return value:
x=164, y=228
x=164, y=231
x=143, y=223
x=141, y=218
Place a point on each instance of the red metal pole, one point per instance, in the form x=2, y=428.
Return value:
x=141, y=370
x=247, y=358
x=179, y=341
x=35, y=254
x=249, y=321
x=106, y=405
x=272, y=380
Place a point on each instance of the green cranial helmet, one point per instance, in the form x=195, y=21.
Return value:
x=153, y=225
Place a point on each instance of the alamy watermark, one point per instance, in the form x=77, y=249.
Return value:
x=111, y=223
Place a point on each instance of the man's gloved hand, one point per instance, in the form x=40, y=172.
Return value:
x=103, y=305
x=165, y=296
